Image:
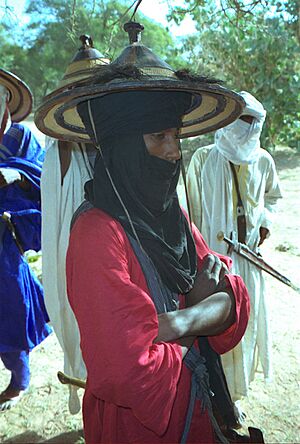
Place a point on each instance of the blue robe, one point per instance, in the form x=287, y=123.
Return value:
x=23, y=317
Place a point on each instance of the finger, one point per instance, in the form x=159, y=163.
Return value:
x=224, y=270
x=216, y=269
x=208, y=263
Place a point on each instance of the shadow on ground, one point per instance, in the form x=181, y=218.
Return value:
x=286, y=159
x=74, y=437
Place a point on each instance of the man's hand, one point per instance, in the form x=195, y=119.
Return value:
x=264, y=233
x=209, y=280
x=8, y=176
x=209, y=317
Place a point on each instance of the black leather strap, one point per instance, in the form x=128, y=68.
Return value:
x=241, y=217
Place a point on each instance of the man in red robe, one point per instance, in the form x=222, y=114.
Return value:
x=143, y=284
x=147, y=292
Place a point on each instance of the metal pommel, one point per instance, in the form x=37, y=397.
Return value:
x=87, y=41
x=220, y=236
x=134, y=30
x=6, y=216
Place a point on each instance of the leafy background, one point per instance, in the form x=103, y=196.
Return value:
x=251, y=45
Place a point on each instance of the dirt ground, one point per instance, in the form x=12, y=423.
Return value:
x=42, y=415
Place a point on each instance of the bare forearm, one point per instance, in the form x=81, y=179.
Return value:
x=209, y=317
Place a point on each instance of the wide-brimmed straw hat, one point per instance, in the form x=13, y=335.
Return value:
x=139, y=69
x=81, y=68
x=20, y=97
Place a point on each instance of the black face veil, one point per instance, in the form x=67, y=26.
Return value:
x=145, y=184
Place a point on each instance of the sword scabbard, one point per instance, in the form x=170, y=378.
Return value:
x=249, y=255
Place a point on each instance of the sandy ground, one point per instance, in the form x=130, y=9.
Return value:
x=42, y=415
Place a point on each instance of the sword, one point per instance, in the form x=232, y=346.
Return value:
x=245, y=252
x=6, y=216
x=65, y=379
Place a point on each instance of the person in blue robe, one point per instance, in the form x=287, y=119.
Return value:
x=23, y=317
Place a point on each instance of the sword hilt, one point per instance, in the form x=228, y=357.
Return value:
x=6, y=216
x=65, y=379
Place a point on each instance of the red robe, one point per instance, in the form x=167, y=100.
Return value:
x=137, y=391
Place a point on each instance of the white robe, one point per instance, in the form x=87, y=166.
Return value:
x=58, y=205
x=213, y=198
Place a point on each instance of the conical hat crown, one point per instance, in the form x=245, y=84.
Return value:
x=139, y=55
x=83, y=63
x=81, y=68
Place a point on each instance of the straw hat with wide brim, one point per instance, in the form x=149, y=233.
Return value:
x=139, y=69
x=81, y=68
x=20, y=96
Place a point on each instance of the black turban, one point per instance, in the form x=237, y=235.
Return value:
x=134, y=112
x=146, y=184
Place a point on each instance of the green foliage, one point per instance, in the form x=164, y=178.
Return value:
x=250, y=44
x=256, y=52
x=189, y=146
x=50, y=40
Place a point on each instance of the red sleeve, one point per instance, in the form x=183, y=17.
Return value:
x=118, y=323
x=230, y=337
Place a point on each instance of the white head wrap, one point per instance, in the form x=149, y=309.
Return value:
x=4, y=94
x=239, y=141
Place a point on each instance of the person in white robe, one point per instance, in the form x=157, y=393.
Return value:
x=62, y=188
x=67, y=166
x=213, y=200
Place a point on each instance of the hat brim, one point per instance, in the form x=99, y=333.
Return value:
x=20, y=97
x=214, y=107
x=77, y=74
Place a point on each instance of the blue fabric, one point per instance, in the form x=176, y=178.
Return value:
x=18, y=364
x=23, y=316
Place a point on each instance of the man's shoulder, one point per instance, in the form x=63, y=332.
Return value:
x=16, y=128
x=96, y=230
x=265, y=156
x=96, y=222
x=203, y=151
x=14, y=135
x=19, y=131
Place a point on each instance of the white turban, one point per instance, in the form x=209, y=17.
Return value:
x=239, y=142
